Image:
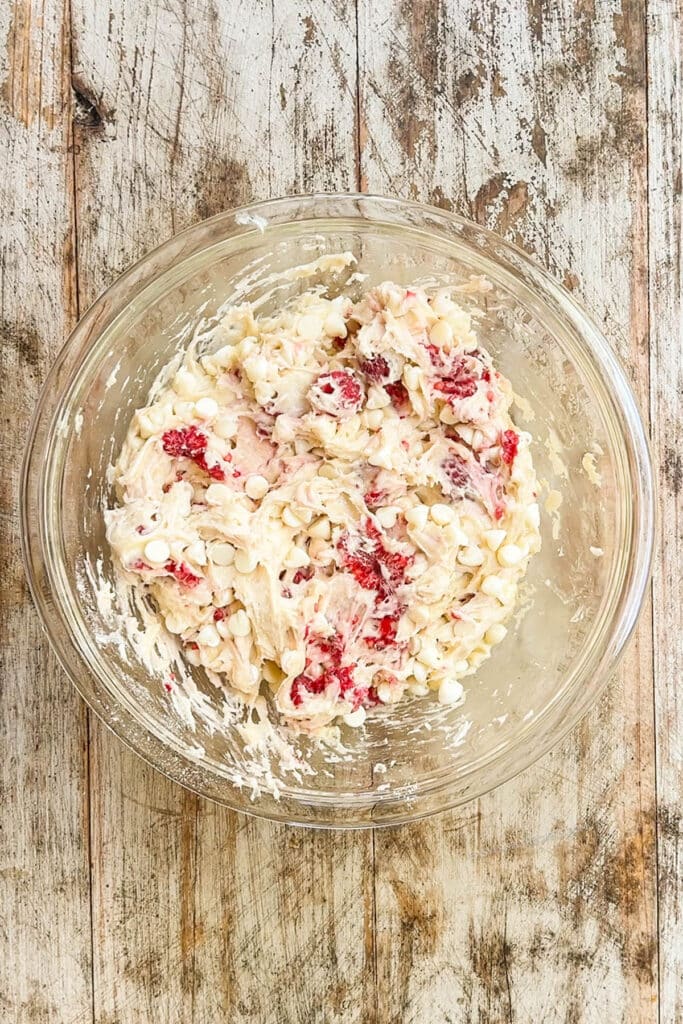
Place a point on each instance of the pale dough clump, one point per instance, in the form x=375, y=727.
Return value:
x=335, y=500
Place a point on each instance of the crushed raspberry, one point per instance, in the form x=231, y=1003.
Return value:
x=303, y=574
x=373, y=499
x=140, y=566
x=410, y=295
x=218, y=615
x=486, y=375
x=434, y=354
x=398, y=393
x=509, y=443
x=182, y=573
x=190, y=443
x=375, y=369
x=371, y=565
x=455, y=468
x=168, y=687
x=338, y=393
x=236, y=474
x=140, y=529
x=386, y=637
x=303, y=685
x=499, y=512
x=490, y=396
x=459, y=384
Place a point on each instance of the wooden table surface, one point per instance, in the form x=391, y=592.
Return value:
x=559, y=897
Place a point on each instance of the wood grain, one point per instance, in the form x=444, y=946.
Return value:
x=558, y=125
x=539, y=902
x=200, y=915
x=45, y=970
x=665, y=137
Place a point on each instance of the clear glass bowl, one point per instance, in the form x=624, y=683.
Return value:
x=581, y=605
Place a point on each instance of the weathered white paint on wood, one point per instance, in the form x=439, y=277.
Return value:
x=45, y=972
x=233, y=111
x=538, y=903
x=665, y=135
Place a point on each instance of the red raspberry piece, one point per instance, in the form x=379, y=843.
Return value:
x=182, y=573
x=376, y=368
x=303, y=574
x=305, y=684
x=190, y=443
x=456, y=386
x=373, y=499
x=338, y=393
x=398, y=393
x=509, y=443
x=455, y=468
x=218, y=615
x=434, y=354
x=386, y=634
x=185, y=443
x=140, y=566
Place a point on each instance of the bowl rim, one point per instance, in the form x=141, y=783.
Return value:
x=144, y=741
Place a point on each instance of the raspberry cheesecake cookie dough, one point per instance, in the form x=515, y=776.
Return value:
x=334, y=503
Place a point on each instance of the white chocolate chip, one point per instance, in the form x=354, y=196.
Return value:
x=377, y=398
x=447, y=415
x=450, y=692
x=256, y=368
x=208, y=636
x=387, y=516
x=320, y=528
x=374, y=419
x=381, y=458
x=206, y=408
x=222, y=553
x=356, y=718
x=494, y=538
x=417, y=517
x=290, y=519
x=429, y=654
x=157, y=552
x=419, y=614
x=239, y=624
x=196, y=552
x=495, y=633
x=441, y=334
x=494, y=586
x=256, y=486
x=461, y=667
x=411, y=377
x=533, y=515
x=245, y=561
x=293, y=662
x=471, y=556
x=509, y=555
x=441, y=514
x=420, y=672
x=296, y=558
x=225, y=427
x=335, y=326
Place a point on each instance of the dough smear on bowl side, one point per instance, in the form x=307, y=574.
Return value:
x=334, y=500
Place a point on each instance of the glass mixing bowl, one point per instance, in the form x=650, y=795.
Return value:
x=584, y=589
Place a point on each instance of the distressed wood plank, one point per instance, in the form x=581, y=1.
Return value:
x=665, y=134
x=538, y=903
x=45, y=961
x=187, y=110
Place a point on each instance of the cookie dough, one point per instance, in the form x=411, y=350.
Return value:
x=334, y=502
